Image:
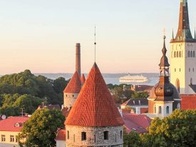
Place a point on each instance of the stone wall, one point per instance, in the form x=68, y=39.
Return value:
x=69, y=99
x=94, y=136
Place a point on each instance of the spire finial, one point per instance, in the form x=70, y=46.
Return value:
x=164, y=50
x=95, y=44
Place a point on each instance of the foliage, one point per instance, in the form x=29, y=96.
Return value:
x=40, y=129
x=178, y=129
x=26, y=91
x=132, y=139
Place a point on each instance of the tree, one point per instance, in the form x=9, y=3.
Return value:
x=178, y=129
x=41, y=128
x=132, y=139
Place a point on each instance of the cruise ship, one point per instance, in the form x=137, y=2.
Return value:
x=133, y=79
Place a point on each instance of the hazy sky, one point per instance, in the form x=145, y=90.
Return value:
x=40, y=35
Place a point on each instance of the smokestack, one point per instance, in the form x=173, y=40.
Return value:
x=78, y=64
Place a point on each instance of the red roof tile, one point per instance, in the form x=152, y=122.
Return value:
x=135, y=122
x=188, y=102
x=13, y=123
x=60, y=134
x=83, y=79
x=74, y=84
x=94, y=105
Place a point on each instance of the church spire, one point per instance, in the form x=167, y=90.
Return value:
x=183, y=33
x=164, y=64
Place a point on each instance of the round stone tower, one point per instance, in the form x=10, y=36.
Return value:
x=94, y=119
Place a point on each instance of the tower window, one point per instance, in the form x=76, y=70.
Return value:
x=67, y=134
x=106, y=135
x=160, y=110
x=167, y=109
x=121, y=134
x=83, y=136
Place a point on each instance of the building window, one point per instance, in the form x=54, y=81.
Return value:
x=83, y=136
x=95, y=138
x=175, y=54
x=155, y=109
x=167, y=109
x=11, y=138
x=188, y=53
x=193, y=53
x=179, y=53
x=179, y=69
x=3, y=138
x=178, y=106
x=115, y=137
x=191, y=81
x=121, y=134
x=74, y=137
x=174, y=69
x=67, y=134
x=106, y=135
x=189, y=69
x=193, y=69
x=160, y=110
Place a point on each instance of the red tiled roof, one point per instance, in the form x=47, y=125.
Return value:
x=13, y=123
x=74, y=84
x=94, y=105
x=135, y=122
x=65, y=111
x=83, y=79
x=188, y=102
x=60, y=135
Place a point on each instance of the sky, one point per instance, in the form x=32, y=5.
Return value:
x=40, y=35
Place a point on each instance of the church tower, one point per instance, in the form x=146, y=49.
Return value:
x=164, y=97
x=183, y=54
x=94, y=119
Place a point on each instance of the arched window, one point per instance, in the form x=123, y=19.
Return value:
x=106, y=135
x=121, y=134
x=178, y=85
x=178, y=106
x=189, y=54
x=160, y=110
x=177, y=54
x=180, y=54
x=167, y=110
x=155, y=109
x=191, y=81
x=83, y=136
x=174, y=54
x=193, y=53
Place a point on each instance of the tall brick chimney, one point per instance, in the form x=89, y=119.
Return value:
x=78, y=63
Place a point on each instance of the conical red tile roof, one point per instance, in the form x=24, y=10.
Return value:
x=94, y=105
x=83, y=79
x=74, y=84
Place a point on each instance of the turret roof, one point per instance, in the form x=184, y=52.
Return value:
x=94, y=106
x=74, y=84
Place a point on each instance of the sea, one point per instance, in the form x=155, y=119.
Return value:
x=110, y=78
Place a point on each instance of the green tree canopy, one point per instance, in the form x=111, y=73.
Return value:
x=41, y=128
x=178, y=129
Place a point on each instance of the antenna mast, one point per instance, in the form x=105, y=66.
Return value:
x=95, y=44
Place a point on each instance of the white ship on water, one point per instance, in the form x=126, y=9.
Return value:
x=133, y=79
